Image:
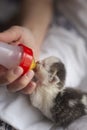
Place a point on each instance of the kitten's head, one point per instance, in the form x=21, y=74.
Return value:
x=51, y=72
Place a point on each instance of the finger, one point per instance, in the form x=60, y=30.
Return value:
x=2, y=70
x=11, y=75
x=10, y=35
x=21, y=83
x=29, y=89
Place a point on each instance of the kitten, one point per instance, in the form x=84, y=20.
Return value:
x=61, y=105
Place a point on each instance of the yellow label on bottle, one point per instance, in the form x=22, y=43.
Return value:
x=33, y=64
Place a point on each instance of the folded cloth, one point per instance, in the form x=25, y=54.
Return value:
x=80, y=124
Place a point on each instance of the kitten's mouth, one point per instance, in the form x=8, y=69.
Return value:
x=35, y=79
x=38, y=66
x=36, y=70
x=41, y=72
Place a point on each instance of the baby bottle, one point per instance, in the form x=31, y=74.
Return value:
x=14, y=55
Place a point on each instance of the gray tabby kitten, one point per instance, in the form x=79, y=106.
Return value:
x=61, y=105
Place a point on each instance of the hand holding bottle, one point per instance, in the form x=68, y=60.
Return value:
x=12, y=77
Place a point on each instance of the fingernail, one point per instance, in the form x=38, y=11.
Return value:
x=18, y=70
x=30, y=73
x=33, y=84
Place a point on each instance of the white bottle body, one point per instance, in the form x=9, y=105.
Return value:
x=10, y=55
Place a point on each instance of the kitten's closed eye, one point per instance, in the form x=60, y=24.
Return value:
x=59, y=70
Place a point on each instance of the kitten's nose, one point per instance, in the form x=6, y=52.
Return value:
x=37, y=65
x=38, y=62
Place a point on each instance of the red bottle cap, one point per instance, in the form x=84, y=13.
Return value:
x=27, y=58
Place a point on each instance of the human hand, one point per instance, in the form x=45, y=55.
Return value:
x=12, y=77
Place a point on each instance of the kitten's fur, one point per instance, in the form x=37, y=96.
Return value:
x=61, y=105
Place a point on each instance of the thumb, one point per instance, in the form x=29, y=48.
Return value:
x=12, y=34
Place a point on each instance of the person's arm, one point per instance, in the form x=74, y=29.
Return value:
x=37, y=17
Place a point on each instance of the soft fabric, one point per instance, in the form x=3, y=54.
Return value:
x=80, y=124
